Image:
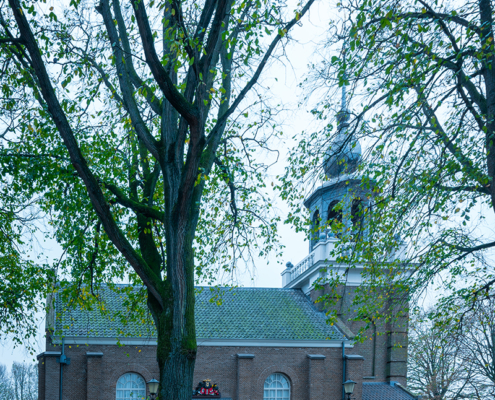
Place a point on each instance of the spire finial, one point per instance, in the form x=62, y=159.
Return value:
x=345, y=151
x=343, y=114
x=344, y=100
x=344, y=76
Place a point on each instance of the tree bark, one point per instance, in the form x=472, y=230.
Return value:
x=487, y=38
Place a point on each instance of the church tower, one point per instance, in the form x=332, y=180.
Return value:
x=337, y=203
x=336, y=211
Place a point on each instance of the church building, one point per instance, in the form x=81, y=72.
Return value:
x=254, y=344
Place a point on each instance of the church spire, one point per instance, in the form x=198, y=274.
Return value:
x=344, y=86
x=343, y=113
x=344, y=153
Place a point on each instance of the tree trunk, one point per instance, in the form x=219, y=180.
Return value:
x=176, y=331
x=176, y=361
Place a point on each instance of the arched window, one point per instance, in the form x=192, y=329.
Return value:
x=315, y=228
x=333, y=214
x=316, y=220
x=357, y=212
x=131, y=386
x=276, y=387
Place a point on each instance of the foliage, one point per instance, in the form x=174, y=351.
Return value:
x=22, y=281
x=420, y=81
x=126, y=118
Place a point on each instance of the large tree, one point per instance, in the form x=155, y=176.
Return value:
x=420, y=82
x=24, y=381
x=477, y=336
x=5, y=384
x=437, y=367
x=131, y=128
x=20, y=384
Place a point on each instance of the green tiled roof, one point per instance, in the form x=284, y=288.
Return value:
x=225, y=313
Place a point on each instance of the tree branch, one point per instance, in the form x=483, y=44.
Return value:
x=257, y=74
x=98, y=201
x=133, y=205
x=473, y=249
x=230, y=183
x=125, y=86
x=12, y=40
x=179, y=19
x=186, y=109
x=477, y=189
x=433, y=16
x=463, y=79
x=452, y=147
x=151, y=98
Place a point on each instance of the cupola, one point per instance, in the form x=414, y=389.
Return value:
x=339, y=199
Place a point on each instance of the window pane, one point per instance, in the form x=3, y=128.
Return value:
x=279, y=388
x=131, y=386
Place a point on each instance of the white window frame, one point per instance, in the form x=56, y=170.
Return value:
x=133, y=387
x=272, y=391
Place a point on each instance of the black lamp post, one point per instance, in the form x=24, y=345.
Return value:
x=349, y=388
x=153, y=387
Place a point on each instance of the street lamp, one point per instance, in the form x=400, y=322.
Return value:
x=349, y=388
x=153, y=387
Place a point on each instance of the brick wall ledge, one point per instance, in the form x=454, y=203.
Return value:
x=316, y=356
x=354, y=357
x=49, y=354
x=94, y=354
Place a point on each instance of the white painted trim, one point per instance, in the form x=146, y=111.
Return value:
x=206, y=342
x=296, y=283
x=82, y=341
x=271, y=343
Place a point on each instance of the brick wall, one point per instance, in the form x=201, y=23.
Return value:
x=94, y=377
x=240, y=372
x=41, y=377
x=94, y=370
x=385, y=346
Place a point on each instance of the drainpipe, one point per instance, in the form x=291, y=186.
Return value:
x=62, y=360
x=343, y=369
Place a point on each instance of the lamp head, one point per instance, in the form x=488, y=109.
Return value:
x=349, y=386
x=153, y=386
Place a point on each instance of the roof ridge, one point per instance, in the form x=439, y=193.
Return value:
x=320, y=314
x=104, y=284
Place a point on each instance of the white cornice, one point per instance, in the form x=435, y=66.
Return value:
x=271, y=343
x=315, y=268
x=206, y=342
